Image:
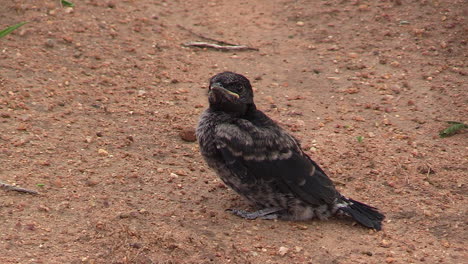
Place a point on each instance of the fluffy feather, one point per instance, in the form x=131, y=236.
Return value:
x=264, y=164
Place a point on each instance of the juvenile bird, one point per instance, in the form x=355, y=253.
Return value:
x=266, y=165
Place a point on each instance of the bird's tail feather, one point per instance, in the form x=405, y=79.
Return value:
x=364, y=214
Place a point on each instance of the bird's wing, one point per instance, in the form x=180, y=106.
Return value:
x=254, y=153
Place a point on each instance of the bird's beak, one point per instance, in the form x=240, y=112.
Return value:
x=219, y=88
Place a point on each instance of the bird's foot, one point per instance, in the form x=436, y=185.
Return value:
x=267, y=213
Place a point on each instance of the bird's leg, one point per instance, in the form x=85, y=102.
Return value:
x=267, y=213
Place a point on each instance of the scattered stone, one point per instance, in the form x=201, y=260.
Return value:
x=128, y=215
x=283, y=251
x=69, y=10
x=302, y=227
x=363, y=7
x=22, y=127
x=353, y=55
x=352, y=90
x=270, y=99
x=443, y=44
x=425, y=170
x=188, y=134
x=43, y=208
x=445, y=243
x=300, y=23
x=385, y=243
x=333, y=48
x=395, y=64
x=67, y=39
x=49, y=43
x=44, y=163
x=57, y=183
x=91, y=182
x=20, y=142
x=30, y=226
x=135, y=245
x=77, y=54
x=103, y=152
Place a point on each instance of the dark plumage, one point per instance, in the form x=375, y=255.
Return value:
x=264, y=164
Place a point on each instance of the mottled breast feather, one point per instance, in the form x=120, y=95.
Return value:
x=268, y=154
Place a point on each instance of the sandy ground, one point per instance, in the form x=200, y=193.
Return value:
x=94, y=99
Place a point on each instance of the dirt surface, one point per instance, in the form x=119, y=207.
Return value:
x=94, y=99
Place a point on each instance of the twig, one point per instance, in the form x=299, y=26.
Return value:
x=217, y=46
x=206, y=38
x=10, y=187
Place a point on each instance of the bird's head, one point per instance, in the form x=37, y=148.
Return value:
x=230, y=92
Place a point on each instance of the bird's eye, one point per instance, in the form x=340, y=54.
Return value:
x=234, y=87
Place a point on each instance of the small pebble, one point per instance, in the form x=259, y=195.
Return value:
x=57, y=183
x=353, y=55
x=103, y=152
x=445, y=243
x=69, y=10
x=188, y=134
x=283, y=251
x=92, y=182
x=49, y=43
x=333, y=47
x=135, y=245
x=68, y=39
x=5, y=115
x=363, y=7
x=395, y=63
x=385, y=243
